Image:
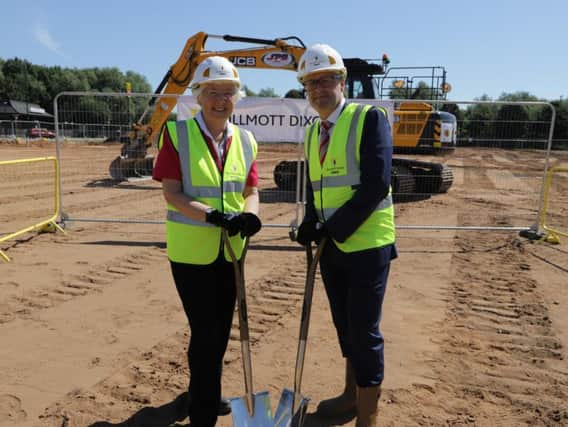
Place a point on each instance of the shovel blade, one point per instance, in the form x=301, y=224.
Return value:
x=261, y=412
x=285, y=414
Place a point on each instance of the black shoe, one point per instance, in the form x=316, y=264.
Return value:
x=224, y=407
x=181, y=404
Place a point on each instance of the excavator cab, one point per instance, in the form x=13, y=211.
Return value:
x=417, y=127
x=361, y=78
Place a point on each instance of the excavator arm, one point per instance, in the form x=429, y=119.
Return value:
x=272, y=54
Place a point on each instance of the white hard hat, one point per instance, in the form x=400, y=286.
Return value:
x=320, y=57
x=215, y=69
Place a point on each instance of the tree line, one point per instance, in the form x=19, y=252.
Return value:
x=481, y=124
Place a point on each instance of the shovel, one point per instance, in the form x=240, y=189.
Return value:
x=293, y=405
x=252, y=410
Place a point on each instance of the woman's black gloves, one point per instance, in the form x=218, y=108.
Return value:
x=247, y=223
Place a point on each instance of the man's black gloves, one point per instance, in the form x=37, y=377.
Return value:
x=247, y=223
x=311, y=231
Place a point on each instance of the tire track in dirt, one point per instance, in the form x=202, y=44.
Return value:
x=269, y=299
x=500, y=343
x=499, y=354
x=25, y=304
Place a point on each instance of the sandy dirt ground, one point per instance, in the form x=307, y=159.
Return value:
x=92, y=332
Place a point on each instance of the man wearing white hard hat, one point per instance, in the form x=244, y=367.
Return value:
x=209, y=177
x=349, y=201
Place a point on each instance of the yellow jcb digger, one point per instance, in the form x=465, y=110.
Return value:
x=417, y=128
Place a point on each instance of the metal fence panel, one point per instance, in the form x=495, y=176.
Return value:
x=497, y=154
x=487, y=155
x=101, y=121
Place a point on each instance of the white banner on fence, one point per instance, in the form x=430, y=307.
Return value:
x=272, y=119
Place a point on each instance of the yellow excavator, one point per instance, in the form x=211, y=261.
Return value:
x=416, y=126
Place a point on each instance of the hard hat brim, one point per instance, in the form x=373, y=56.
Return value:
x=327, y=70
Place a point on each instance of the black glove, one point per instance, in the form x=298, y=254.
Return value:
x=232, y=222
x=311, y=231
x=250, y=224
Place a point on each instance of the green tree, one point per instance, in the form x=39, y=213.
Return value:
x=294, y=93
x=139, y=82
x=421, y=91
x=517, y=97
x=560, y=134
x=248, y=91
x=268, y=93
x=478, y=122
x=511, y=125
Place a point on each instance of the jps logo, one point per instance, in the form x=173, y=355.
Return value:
x=277, y=59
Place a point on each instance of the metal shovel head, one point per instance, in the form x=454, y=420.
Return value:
x=285, y=414
x=262, y=413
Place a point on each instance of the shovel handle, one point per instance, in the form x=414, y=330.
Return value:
x=243, y=318
x=312, y=262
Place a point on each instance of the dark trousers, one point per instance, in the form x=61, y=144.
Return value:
x=355, y=284
x=208, y=296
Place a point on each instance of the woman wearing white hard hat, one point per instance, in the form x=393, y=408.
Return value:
x=207, y=167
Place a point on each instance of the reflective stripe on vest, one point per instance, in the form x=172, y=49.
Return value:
x=335, y=182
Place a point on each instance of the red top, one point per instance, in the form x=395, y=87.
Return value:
x=167, y=164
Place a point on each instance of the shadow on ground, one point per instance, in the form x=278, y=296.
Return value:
x=314, y=420
x=162, y=416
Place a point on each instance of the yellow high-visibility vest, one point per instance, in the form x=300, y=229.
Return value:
x=197, y=242
x=333, y=182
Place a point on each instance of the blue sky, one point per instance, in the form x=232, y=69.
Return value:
x=487, y=47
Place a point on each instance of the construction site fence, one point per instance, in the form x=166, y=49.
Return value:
x=554, y=218
x=35, y=192
x=505, y=146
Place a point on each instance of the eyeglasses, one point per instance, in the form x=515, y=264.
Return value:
x=214, y=94
x=324, y=82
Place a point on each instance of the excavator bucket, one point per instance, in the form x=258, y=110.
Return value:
x=293, y=405
x=122, y=169
x=253, y=409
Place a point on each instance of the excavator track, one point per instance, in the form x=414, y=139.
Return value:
x=430, y=178
x=402, y=180
x=408, y=177
x=122, y=168
x=285, y=174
